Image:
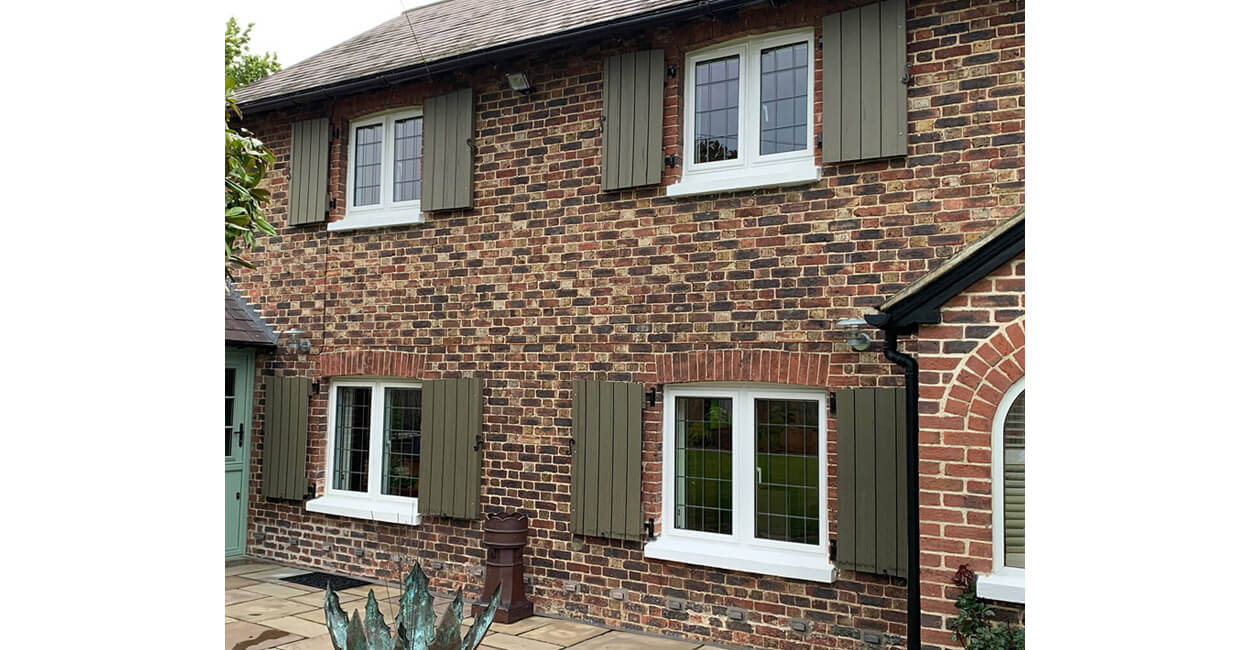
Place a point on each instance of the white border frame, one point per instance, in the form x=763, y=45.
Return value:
x=371, y=504
x=741, y=550
x=387, y=212
x=1005, y=583
x=750, y=169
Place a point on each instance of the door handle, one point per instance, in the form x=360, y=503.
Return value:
x=238, y=495
x=239, y=432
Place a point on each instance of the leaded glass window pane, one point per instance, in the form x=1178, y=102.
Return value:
x=407, y=184
x=704, y=476
x=230, y=397
x=367, y=188
x=351, y=439
x=402, y=439
x=716, y=110
x=783, y=99
x=787, y=489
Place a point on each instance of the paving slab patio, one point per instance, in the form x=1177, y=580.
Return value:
x=262, y=612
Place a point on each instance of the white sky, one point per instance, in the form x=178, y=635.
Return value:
x=298, y=29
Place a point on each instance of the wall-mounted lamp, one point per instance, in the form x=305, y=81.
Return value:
x=519, y=82
x=856, y=337
x=295, y=343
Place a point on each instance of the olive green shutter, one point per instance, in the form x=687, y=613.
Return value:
x=865, y=97
x=310, y=167
x=872, y=495
x=451, y=456
x=1013, y=485
x=286, y=437
x=447, y=151
x=633, y=119
x=607, y=459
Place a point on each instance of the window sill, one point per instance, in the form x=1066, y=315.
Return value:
x=1006, y=584
x=744, y=179
x=377, y=219
x=396, y=512
x=813, y=566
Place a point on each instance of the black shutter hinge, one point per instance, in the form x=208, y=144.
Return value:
x=477, y=446
x=820, y=42
x=671, y=160
x=316, y=389
x=472, y=147
x=820, y=140
x=906, y=74
x=650, y=527
x=833, y=550
x=651, y=397
x=336, y=132
x=672, y=71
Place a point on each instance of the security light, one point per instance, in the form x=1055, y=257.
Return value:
x=856, y=337
x=519, y=82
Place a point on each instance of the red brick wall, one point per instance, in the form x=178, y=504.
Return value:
x=548, y=279
x=967, y=362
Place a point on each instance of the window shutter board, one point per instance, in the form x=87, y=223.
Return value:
x=607, y=459
x=451, y=411
x=864, y=96
x=1013, y=484
x=309, y=165
x=286, y=437
x=447, y=159
x=633, y=117
x=871, y=494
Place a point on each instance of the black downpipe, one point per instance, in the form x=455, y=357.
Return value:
x=911, y=379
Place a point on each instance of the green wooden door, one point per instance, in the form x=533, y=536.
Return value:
x=235, y=443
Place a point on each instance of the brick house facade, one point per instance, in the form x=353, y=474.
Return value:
x=547, y=279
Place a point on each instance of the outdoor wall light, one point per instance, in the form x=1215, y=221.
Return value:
x=294, y=343
x=856, y=337
x=519, y=82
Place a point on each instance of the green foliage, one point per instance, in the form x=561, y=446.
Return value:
x=415, y=627
x=247, y=159
x=241, y=65
x=973, y=628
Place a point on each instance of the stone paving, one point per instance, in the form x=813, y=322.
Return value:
x=264, y=612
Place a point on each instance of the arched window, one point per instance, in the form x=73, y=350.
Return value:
x=1007, y=580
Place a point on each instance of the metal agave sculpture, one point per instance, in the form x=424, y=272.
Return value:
x=414, y=623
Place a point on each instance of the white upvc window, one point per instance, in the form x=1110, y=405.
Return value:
x=744, y=471
x=1006, y=583
x=748, y=115
x=373, y=451
x=383, y=170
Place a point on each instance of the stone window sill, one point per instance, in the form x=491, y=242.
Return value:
x=397, y=511
x=1006, y=584
x=739, y=557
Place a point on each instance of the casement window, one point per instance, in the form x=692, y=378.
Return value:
x=384, y=170
x=744, y=471
x=747, y=118
x=1007, y=446
x=373, y=460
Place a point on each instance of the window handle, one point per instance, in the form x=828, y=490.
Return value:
x=239, y=432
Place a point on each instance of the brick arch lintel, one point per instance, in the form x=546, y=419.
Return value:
x=770, y=366
x=983, y=377
x=382, y=363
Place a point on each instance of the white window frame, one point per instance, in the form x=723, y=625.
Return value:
x=742, y=551
x=1006, y=583
x=371, y=504
x=750, y=169
x=386, y=212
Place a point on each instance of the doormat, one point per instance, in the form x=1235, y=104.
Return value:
x=318, y=579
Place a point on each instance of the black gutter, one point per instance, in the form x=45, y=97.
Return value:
x=423, y=70
x=911, y=380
